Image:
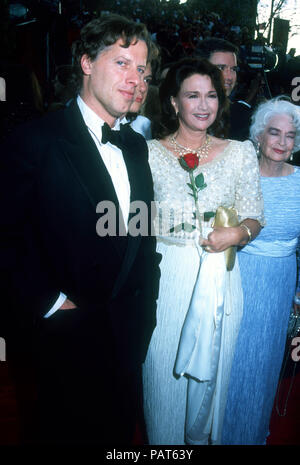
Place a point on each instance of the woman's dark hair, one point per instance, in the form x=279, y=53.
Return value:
x=171, y=86
x=100, y=33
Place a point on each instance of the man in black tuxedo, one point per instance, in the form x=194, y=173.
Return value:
x=80, y=301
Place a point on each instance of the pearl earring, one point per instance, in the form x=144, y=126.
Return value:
x=258, y=149
x=291, y=157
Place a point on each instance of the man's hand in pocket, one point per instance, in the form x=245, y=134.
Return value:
x=67, y=305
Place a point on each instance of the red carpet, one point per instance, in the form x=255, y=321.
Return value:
x=285, y=430
x=9, y=423
x=285, y=425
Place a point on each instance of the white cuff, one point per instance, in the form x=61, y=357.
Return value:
x=61, y=299
x=244, y=103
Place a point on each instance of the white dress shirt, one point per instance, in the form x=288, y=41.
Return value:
x=113, y=159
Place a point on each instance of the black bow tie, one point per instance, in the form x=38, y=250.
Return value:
x=114, y=137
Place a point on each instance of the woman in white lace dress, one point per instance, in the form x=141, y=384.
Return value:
x=187, y=368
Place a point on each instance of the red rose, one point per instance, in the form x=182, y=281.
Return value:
x=189, y=161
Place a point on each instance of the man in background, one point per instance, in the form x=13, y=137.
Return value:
x=224, y=55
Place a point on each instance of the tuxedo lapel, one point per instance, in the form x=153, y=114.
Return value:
x=85, y=159
x=134, y=158
x=88, y=166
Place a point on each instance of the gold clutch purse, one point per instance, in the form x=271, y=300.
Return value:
x=227, y=217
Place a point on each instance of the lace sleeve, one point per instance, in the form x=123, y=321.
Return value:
x=248, y=196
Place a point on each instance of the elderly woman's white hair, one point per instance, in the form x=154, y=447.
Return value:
x=267, y=110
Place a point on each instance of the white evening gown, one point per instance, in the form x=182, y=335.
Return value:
x=187, y=368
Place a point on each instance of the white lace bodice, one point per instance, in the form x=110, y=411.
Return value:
x=232, y=179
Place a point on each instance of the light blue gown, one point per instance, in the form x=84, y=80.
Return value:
x=268, y=272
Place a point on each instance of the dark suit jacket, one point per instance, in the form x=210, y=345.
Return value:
x=52, y=178
x=240, y=119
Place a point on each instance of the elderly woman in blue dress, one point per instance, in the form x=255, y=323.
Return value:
x=269, y=277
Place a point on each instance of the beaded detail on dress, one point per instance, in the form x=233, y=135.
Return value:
x=232, y=179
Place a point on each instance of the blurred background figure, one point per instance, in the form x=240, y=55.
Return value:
x=64, y=87
x=24, y=97
x=145, y=111
x=152, y=109
x=224, y=55
x=138, y=121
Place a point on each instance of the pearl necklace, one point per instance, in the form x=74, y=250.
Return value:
x=201, y=152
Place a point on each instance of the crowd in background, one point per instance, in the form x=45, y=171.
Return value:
x=176, y=28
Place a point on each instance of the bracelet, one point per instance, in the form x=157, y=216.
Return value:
x=242, y=225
